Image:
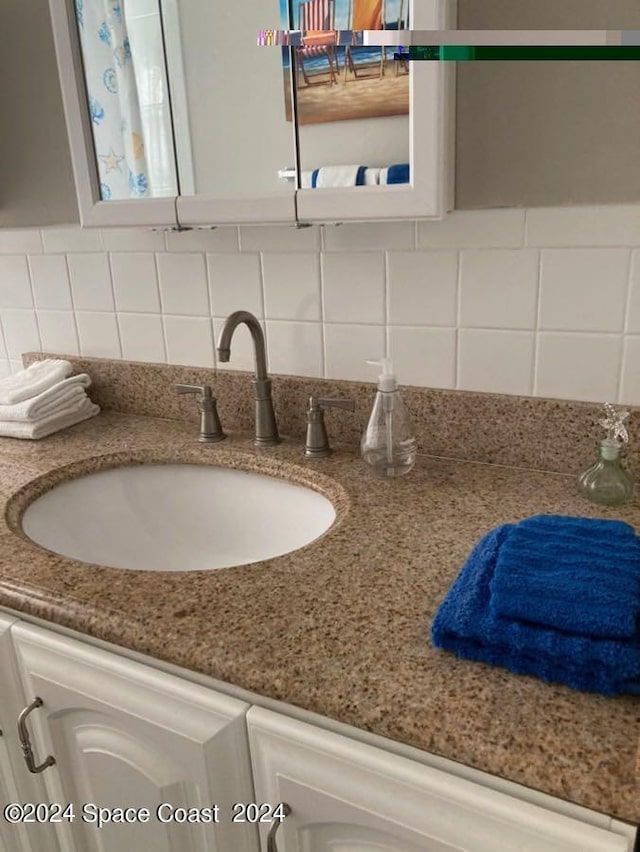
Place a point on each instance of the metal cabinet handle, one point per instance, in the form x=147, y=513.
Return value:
x=25, y=740
x=272, y=845
x=210, y=426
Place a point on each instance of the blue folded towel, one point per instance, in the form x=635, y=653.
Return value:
x=581, y=575
x=400, y=173
x=465, y=625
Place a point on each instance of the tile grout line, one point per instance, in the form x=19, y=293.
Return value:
x=115, y=307
x=625, y=324
x=536, y=335
x=323, y=325
x=387, y=327
x=212, y=335
x=458, y=326
x=263, y=301
x=33, y=302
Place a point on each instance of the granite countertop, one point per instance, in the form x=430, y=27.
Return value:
x=341, y=627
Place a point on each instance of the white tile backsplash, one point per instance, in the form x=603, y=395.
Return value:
x=72, y=238
x=349, y=347
x=354, y=287
x=584, y=289
x=50, y=280
x=630, y=390
x=91, y=287
x=183, y=284
x=633, y=309
x=20, y=332
x=189, y=341
x=295, y=348
x=17, y=241
x=15, y=285
x=609, y=225
x=499, y=289
x=502, y=358
x=291, y=286
x=135, y=282
x=203, y=239
x=424, y=356
x=279, y=238
x=543, y=302
x=58, y=332
x=422, y=287
x=133, y=239
x=474, y=229
x=235, y=283
x=142, y=337
x=374, y=236
x=579, y=366
x=98, y=334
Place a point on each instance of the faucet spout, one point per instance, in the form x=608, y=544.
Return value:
x=224, y=343
x=266, y=427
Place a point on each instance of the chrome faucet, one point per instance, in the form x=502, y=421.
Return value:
x=266, y=428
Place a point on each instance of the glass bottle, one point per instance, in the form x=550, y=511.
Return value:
x=606, y=481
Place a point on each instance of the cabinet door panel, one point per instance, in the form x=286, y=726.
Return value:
x=431, y=144
x=127, y=736
x=346, y=796
x=16, y=783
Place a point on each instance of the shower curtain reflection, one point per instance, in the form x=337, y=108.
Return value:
x=126, y=85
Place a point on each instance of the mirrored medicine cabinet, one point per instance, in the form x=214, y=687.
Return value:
x=177, y=117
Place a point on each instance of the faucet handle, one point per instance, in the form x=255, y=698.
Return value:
x=316, y=402
x=205, y=390
x=317, y=443
x=210, y=426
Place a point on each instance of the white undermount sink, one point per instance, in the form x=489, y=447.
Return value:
x=176, y=517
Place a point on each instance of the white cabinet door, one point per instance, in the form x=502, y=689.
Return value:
x=17, y=785
x=429, y=195
x=125, y=736
x=346, y=796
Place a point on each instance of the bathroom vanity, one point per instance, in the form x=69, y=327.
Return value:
x=307, y=679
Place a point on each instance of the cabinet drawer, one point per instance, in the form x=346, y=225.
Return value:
x=345, y=795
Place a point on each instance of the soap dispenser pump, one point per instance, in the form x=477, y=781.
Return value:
x=606, y=481
x=388, y=444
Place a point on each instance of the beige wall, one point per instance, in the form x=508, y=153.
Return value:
x=528, y=134
x=547, y=133
x=36, y=182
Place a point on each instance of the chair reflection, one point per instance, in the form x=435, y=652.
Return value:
x=316, y=20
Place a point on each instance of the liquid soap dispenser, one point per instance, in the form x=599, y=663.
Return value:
x=606, y=481
x=388, y=444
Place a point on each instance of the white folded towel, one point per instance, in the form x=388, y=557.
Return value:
x=32, y=381
x=372, y=177
x=53, y=423
x=54, y=400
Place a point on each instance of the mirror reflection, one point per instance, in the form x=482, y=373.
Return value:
x=232, y=136
x=360, y=86
x=128, y=99
x=183, y=102
x=181, y=99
